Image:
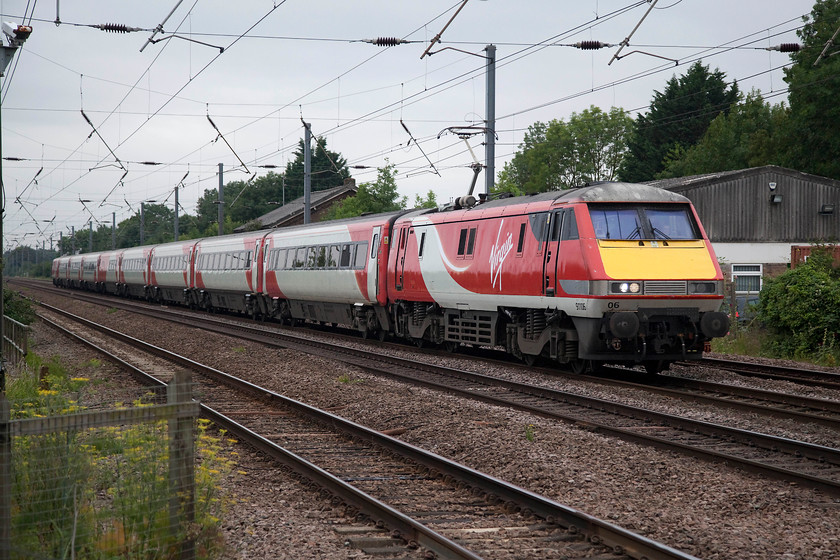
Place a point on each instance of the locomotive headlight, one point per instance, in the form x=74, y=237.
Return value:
x=702, y=288
x=626, y=287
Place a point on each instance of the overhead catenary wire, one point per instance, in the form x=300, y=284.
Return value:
x=195, y=163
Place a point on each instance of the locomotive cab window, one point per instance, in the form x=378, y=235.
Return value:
x=638, y=221
x=520, y=245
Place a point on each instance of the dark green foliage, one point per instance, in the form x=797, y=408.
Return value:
x=814, y=110
x=750, y=135
x=802, y=309
x=560, y=155
x=678, y=118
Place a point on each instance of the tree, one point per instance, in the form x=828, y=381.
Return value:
x=678, y=118
x=329, y=169
x=429, y=201
x=559, y=155
x=814, y=111
x=378, y=196
x=247, y=200
x=750, y=135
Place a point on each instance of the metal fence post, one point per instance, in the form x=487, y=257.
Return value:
x=5, y=479
x=182, y=463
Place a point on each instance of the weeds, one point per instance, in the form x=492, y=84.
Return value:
x=104, y=493
x=529, y=433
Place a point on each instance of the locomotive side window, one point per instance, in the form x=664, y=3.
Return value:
x=471, y=242
x=374, y=246
x=555, y=226
x=570, y=230
x=422, y=244
x=462, y=242
x=538, y=225
x=521, y=243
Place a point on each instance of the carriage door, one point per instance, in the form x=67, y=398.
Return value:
x=552, y=250
x=256, y=261
x=373, y=264
x=399, y=262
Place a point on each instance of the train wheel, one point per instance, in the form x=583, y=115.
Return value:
x=580, y=367
x=529, y=359
x=419, y=342
x=450, y=346
x=382, y=334
x=654, y=367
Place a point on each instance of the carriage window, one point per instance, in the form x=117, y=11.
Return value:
x=332, y=262
x=375, y=246
x=346, y=255
x=361, y=253
x=299, y=258
x=321, y=256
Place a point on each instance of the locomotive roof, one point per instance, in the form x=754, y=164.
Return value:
x=600, y=192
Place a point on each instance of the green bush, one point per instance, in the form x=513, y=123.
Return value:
x=17, y=307
x=801, y=308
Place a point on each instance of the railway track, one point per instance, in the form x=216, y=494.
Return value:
x=811, y=465
x=390, y=482
x=798, y=374
x=770, y=403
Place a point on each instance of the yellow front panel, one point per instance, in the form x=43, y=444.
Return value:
x=654, y=260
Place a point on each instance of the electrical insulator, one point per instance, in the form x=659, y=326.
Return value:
x=386, y=41
x=591, y=45
x=786, y=47
x=116, y=27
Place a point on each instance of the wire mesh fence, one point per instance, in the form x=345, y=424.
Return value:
x=99, y=484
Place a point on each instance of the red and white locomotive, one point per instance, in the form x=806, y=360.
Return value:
x=608, y=273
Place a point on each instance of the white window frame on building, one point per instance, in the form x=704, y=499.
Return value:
x=747, y=278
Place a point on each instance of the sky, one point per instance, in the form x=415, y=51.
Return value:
x=94, y=122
